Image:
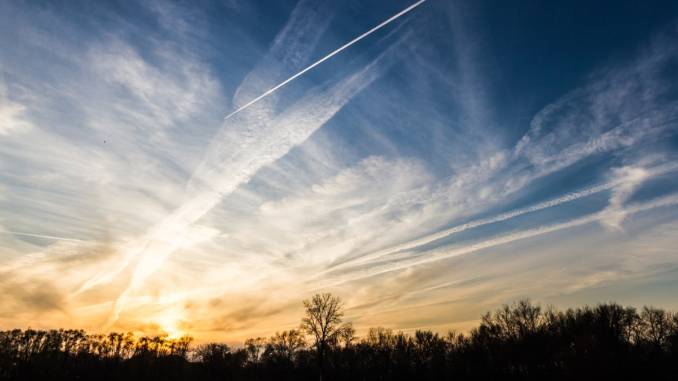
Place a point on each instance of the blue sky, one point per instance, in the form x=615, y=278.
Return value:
x=465, y=155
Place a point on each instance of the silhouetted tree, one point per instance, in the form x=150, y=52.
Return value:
x=346, y=335
x=255, y=348
x=517, y=341
x=322, y=321
x=284, y=345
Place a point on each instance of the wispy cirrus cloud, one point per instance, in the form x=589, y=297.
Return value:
x=12, y=114
x=384, y=176
x=239, y=150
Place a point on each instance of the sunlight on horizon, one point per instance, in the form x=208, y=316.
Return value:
x=425, y=161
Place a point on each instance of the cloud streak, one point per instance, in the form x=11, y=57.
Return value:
x=66, y=239
x=242, y=147
x=628, y=179
x=402, y=261
x=325, y=58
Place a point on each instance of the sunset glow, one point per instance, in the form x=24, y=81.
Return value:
x=182, y=170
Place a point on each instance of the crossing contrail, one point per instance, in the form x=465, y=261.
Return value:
x=318, y=62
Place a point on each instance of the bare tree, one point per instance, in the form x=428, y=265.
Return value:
x=655, y=325
x=286, y=344
x=254, y=348
x=346, y=335
x=322, y=321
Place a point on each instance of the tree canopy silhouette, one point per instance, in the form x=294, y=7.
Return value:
x=322, y=321
x=518, y=341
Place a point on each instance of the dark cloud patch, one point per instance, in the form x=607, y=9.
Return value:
x=31, y=295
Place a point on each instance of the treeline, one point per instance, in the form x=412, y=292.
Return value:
x=521, y=341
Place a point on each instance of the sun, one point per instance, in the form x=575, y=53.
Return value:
x=169, y=324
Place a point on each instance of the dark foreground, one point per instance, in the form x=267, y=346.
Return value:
x=521, y=341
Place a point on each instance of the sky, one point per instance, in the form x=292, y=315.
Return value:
x=464, y=155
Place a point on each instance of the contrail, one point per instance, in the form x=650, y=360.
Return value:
x=444, y=253
x=475, y=224
x=659, y=170
x=318, y=62
x=469, y=225
x=297, y=123
x=41, y=236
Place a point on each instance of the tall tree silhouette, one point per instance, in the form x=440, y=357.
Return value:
x=324, y=314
